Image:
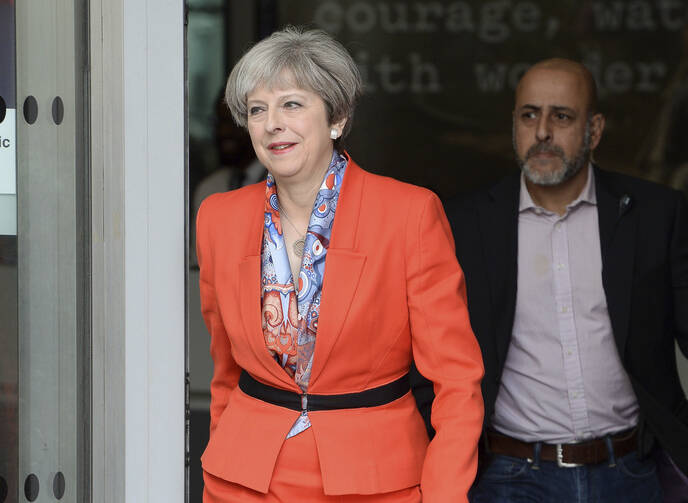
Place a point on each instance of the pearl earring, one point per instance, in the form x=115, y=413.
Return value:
x=334, y=134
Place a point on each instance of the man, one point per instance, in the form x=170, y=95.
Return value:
x=577, y=288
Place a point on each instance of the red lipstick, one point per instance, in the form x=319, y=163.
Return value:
x=280, y=147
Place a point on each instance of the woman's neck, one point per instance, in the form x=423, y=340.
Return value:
x=296, y=198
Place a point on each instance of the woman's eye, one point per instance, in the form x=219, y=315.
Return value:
x=254, y=110
x=292, y=104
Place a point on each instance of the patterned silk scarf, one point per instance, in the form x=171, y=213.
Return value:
x=290, y=318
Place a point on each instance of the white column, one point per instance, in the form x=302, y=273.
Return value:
x=137, y=98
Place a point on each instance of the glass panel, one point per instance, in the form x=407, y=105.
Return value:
x=204, y=4
x=8, y=261
x=8, y=182
x=206, y=73
x=51, y=234
x=206, y=68
x=8, y=367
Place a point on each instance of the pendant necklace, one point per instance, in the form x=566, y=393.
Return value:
x=300, y=243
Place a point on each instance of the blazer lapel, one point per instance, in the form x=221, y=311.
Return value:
x=343, y=268
x=499, y=229
x=250, y=295
x=617, y=237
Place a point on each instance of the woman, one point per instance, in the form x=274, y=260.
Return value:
x=310, y=400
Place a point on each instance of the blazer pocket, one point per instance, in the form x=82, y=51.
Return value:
x=244, y=446
x=373, y=450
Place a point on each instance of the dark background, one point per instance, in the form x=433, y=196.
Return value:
x=440, y=78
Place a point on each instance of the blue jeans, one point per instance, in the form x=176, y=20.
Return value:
x=515, y=480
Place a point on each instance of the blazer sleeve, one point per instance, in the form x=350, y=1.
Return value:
x=679, y=273
x=445, y=351
x=226, y=371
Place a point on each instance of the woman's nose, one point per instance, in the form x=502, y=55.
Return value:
x=274, y=124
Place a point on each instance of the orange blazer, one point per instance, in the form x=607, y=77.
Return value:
x=393, y=292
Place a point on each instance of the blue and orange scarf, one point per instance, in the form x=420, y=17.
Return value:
x=290, y=318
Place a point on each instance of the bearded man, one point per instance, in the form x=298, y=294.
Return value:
x=577, y=285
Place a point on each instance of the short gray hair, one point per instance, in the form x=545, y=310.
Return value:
x=316, y=62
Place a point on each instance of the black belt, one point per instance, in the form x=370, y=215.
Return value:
x=372, y=397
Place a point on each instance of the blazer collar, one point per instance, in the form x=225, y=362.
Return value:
x=343, y=268
x=617, y=223
x=499, y=229
x=250, y=285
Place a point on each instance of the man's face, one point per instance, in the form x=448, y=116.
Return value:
x=552, y=134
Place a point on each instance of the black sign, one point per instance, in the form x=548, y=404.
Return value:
x=440, y=77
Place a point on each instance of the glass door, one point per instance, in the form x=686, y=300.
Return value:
x=44, y=346
x=9, y=377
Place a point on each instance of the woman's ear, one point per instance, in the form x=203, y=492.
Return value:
x=338, y=127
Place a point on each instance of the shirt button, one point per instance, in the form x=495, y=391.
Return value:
x=560, y=266
x=564, y=309
x=569, y=352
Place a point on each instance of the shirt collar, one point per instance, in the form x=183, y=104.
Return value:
x=587, y=195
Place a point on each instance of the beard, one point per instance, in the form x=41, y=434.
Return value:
x=569, y=167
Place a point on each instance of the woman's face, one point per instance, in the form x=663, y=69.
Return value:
x=290, y=132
